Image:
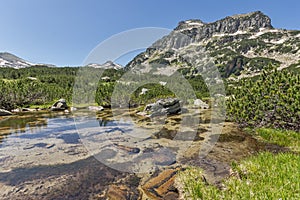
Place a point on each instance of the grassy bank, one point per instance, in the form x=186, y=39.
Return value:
x=285, y=138
x=263, y=176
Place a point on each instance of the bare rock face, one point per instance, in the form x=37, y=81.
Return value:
x=244, y=22
x=197, y=31
x=191, y=31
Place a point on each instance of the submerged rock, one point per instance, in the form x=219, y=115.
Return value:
x=162, y=185
x=130, y=150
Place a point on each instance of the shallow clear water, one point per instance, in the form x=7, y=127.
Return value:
x=35, y=126
x=42, y=154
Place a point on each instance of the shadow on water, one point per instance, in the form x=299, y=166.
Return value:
x=85, y=177
x=70, y=138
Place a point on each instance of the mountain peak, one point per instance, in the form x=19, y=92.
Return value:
x=9, y=56
x=240, y=45
x=242, y=22
x=255, y=19
x=10, y=60
x=251, y=14
x=107, y=65
x=191, y=23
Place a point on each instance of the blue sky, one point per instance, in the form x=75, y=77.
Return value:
x=63, y=32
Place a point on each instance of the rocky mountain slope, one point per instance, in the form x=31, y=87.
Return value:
x=10, y=60
x=106, y=65
x=239, y=45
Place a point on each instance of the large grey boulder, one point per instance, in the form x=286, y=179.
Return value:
x=4, y=112
x=60, y=105
x=163, y=107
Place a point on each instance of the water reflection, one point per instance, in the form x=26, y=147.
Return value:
x=22, y=123
x=34, y=125
x=26, y=123
x=105, y=119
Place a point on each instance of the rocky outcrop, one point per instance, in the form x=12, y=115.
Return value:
x=244, y=22
x=60, y=105
x=163, y=107
x=4, y=112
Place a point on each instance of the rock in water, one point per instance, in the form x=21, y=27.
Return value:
x=60, y=105
x=4, y=112
x=163, y=107
x=162, y=185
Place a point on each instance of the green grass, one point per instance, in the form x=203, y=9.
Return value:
x=284, y=138
x=265, y=176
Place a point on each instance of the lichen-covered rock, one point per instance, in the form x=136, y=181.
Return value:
x=163, y=107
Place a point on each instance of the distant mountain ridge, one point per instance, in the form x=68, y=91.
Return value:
x=13, y=61
x=106, y=65
x=10, y=60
